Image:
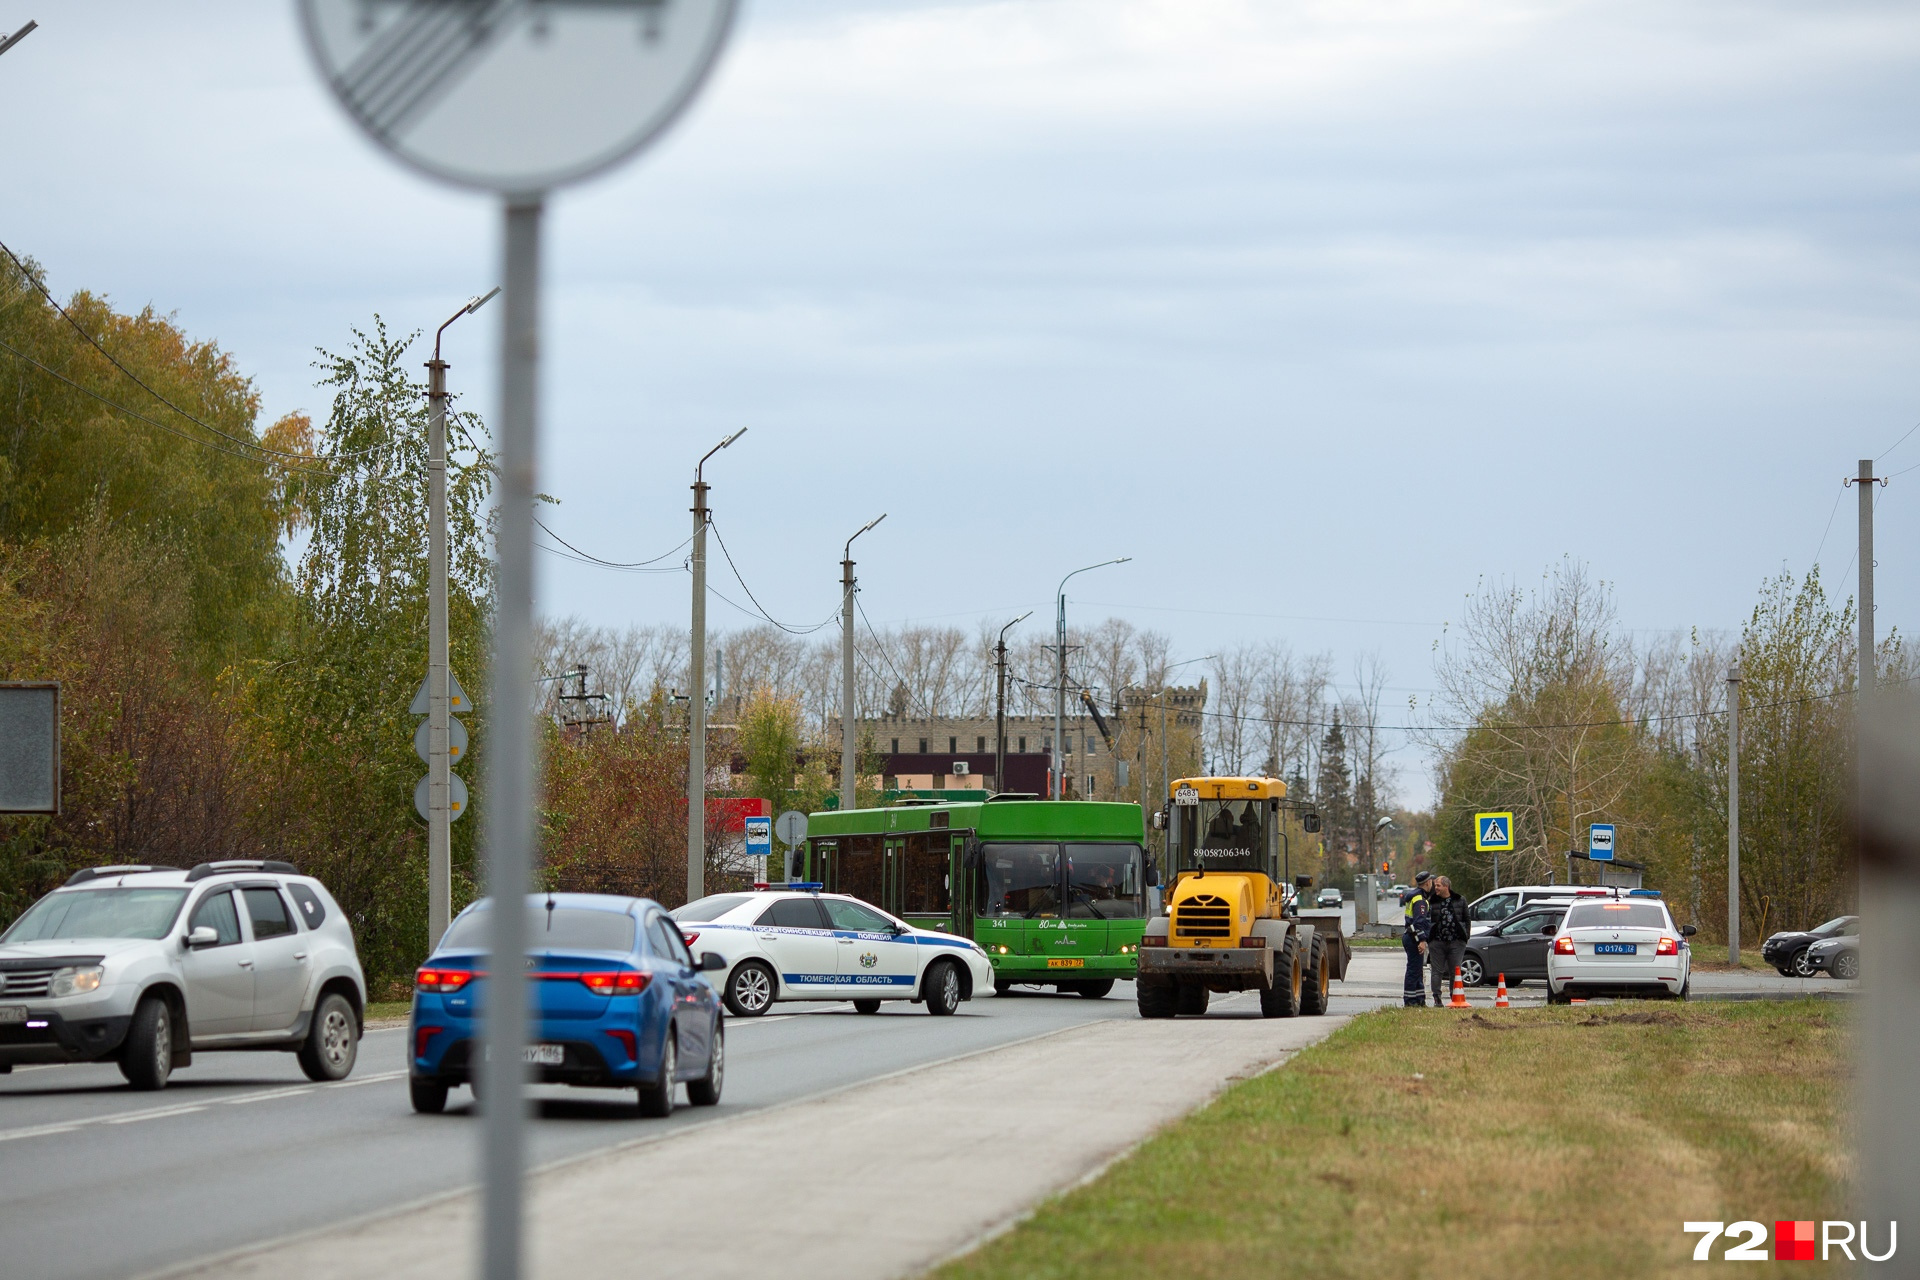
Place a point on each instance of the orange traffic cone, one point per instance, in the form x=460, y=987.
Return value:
x=1459, y=1000
x=1500, y=1000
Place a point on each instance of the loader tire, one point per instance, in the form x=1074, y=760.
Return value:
x=1316, y=992
x=1191, y=998
x=1156, y=999
x=1282, y=1000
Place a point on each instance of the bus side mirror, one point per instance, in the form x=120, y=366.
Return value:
x=1310, y=823
x=1153, y=875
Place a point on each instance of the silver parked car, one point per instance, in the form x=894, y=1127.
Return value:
x=144, y=965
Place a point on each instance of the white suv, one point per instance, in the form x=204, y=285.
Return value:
x=1628, y=946
x=143, y=965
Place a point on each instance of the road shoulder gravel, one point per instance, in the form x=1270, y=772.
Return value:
x=887, y=1178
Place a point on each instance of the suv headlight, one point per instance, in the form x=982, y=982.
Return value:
x=75, y=982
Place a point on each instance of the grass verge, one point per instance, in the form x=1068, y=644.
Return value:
x=1563, y=1142
x=388, y=1008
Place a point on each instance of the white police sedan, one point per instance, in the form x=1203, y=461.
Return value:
x=1628, y=947
x=801, y=944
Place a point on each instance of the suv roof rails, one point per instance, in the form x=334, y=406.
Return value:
x=94, y=873
x=1012, y=795
x=233, y=865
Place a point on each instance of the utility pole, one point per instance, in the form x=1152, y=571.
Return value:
x=697, y=702
x=1000, y=705
x=1864, y=481
x=1733, y=815
x=1060, y=688
x=439, y=713
x=848, y=763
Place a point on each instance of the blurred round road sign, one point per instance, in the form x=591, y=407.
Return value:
x=456, y=799
x=456, y=740
x=515, y=96
x=791, y=828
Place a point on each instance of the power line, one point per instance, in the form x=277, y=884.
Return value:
x=635, y=566
x=878, y=647
x=1829, y=529
x=184, y=435
x=135, y=378
x=798, y=631
x=1897, y=443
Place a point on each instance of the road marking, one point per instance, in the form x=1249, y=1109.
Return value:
x=181, y=1109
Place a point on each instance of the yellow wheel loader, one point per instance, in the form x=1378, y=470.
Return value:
x=1230, y=920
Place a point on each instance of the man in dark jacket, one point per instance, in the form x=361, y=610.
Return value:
x=1414, y=940
x=1448, y=929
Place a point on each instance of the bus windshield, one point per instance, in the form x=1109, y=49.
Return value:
x=1104, y=882
x=1224, y=835
x=1022, y=881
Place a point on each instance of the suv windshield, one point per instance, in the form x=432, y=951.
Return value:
x=1634, y=915
x=711, y=907
x=1832, y=927
x=571, y=928
x=99, y=913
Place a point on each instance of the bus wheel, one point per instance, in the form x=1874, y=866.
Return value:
x=1096, y=988
x=1191, y=998
x=1001, y=986
x=1156, y=999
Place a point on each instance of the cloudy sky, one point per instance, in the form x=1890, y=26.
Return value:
x=1320, y=311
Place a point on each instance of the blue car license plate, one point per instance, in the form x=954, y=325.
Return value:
x=1616, y=948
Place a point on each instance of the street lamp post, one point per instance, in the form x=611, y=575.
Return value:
x=439, y=752
x=847, y=761
x=697, y=699
x=1060, y=689
x=1000, y=704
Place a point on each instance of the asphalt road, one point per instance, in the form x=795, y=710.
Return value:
x=99, y=1181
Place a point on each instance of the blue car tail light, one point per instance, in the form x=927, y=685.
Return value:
x=443, y=981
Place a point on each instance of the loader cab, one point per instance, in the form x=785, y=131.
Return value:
x=1225, y=824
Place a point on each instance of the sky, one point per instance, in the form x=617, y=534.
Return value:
x=1324, y=313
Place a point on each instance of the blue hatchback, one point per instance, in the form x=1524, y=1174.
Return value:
x=618, y=1003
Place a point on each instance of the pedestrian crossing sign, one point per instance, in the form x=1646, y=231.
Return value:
x=1493, y=832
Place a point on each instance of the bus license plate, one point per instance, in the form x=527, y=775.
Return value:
x=1066, y=964
x=1616, y=948
x=13, y=1013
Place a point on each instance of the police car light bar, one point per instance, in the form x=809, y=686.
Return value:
x=1643, y=893
x=811, y=886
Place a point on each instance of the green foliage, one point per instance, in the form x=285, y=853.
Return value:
x=614, y=810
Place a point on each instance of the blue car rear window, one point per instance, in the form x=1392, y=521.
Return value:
x=579, y=928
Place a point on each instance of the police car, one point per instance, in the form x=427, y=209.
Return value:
x=1625, y=946
x=798, y=943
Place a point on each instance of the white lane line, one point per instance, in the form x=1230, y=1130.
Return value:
x=161, y=1113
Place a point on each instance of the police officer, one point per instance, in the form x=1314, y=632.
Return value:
x=1414, y=941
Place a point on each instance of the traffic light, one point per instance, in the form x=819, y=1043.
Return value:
x=1385, y=868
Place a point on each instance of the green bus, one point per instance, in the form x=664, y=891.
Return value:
x=1055, y=890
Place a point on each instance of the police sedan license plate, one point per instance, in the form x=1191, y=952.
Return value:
x=1616, y=948
x=546, y=1055
x=13, y=1013
x=1066, y=964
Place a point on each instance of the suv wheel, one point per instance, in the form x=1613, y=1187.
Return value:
x=1801, y=969
x=333, y=1041
x=146, y=1059
x=750, y=990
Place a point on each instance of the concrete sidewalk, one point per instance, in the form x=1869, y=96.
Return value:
x=880, y=1180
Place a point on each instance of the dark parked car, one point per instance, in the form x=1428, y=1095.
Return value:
x=1787, y=952
x=1838, y=957
x=1517, y=947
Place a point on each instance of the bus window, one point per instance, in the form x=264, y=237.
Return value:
x=1104, y=882
x=859, y=871
x=923, y=874
x=1020, y=880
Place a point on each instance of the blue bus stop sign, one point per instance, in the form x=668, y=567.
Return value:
x=1600, y=842
x=759, y=837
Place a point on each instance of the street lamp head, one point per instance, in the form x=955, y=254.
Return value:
x=475, y=303
x=1010, y=626
x=847, y=552
x=1382, y=825
x=717, y=448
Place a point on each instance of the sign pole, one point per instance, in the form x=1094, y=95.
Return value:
x=439, y=820
x=510, y=772
x=1733, y=815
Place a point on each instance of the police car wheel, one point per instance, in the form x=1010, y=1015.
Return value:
x=942, y=988
x=750, y=990
x=866, y=1006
